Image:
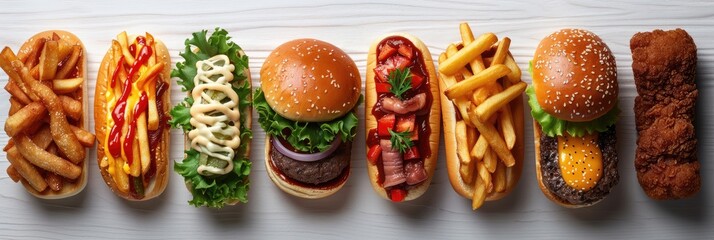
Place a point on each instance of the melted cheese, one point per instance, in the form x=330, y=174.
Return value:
x=215, y=114
x=580, y=161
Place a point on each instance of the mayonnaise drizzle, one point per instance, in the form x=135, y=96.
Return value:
x=212, y=134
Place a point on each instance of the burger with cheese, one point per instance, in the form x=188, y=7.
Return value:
x=573, y=101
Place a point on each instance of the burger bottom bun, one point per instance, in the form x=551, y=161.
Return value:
x=292, y=189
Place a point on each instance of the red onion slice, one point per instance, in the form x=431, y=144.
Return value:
x=306, y=157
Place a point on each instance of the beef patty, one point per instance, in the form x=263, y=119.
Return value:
x=553, y=179
x=316, y=172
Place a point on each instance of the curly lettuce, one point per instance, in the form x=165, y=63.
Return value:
x=305, y=136
x=213, y=191
x=553, y=126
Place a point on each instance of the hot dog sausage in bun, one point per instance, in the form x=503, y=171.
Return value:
x=402, y=117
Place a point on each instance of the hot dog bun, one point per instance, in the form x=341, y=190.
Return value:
x=160, y=180
x=434, y=115
x=69, y=188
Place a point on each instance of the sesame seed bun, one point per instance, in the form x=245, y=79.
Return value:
x=308, y=80
x=574, y=75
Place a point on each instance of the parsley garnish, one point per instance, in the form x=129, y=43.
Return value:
x=401, y=81
x=401, y=140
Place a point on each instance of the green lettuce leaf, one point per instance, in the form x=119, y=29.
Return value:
x=213, y=191
x=305, y=136
x=553, y=126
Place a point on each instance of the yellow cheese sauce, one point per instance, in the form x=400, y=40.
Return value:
x=580, y=161
x=215, y=114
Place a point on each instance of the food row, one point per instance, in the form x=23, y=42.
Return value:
x=307, y=104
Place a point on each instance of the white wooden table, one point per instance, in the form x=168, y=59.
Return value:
x=356, y=212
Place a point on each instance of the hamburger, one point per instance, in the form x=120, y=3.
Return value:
x=306, y=104
x=573, y=101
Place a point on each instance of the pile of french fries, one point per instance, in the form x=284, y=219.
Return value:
x=482, y=80
x=45, y=123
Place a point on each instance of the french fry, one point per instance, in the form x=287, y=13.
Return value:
x=17, y=93
x=499, y=178
x=26, y=170
x=70, y=64
x=454, y=63
x=121, y=178
x=501, y=51
x=13, y=174
x=85, y=138
x=485, y=175
x=10, y=144
x=494, y=140
x=462, y=142
x=467, y=171
x=506, y=125
x=24, y=118
x=15, y=106
x=515, y=75
x=490, y=160
x=34, y=55
x=135, y=166
x=480, y=148
x=49, y=58
x=149, y=75
x=72, y=107
x=152, y=110
x=467, y=37
x=471, y=137
x=64, y=48
x=115, y=63
x=143, y=137
x=497, y=101
x=45, y=160
x=62, y=86
x=491, y=74
x=461, y=104
x=60, y=128
x=54, y=181
x=124, y=42
x=7, y=57
x=150, y=41
x=479, y=195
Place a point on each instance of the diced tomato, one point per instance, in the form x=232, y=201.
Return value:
x=406, y=124
x=383, y=87
x=399, y=62
x=386, y=52
x=417, y=80
x=374, y=153
x=406, y=51
x=397, y=194
x=382, y=72
x=412, y=153
x=385, y=124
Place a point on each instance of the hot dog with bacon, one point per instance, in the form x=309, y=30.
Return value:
x=403, y=117
x=131, y=107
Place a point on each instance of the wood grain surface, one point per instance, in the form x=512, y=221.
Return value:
x=357, y=212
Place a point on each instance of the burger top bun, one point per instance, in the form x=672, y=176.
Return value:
x=574, y=75
x=308, y=80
